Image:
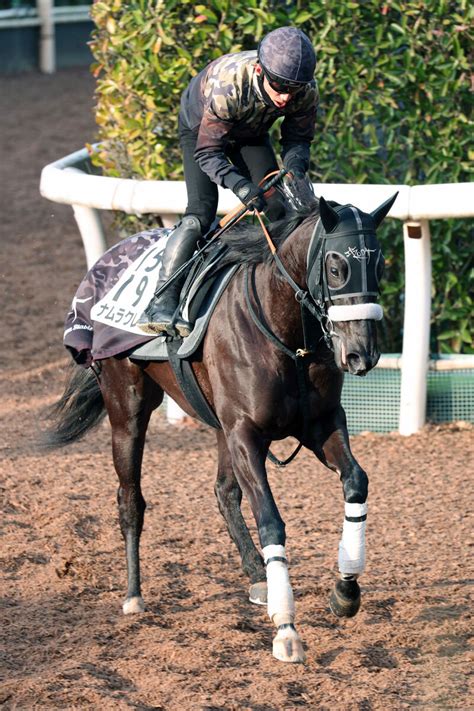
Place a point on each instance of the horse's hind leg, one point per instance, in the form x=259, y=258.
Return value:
x=229, y=498
x=129, y=405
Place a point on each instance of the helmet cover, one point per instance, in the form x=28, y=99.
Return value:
x=286, y=54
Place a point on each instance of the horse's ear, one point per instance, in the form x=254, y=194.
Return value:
x=329, y=216
x=383, y=210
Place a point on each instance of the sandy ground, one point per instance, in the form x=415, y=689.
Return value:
x=200, y=645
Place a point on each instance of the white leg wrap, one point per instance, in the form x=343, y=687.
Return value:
x=280, y=594
x=352, y=544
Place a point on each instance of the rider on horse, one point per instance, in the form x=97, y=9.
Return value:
x=226, y=113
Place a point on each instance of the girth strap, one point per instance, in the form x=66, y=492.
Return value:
x=187, y=382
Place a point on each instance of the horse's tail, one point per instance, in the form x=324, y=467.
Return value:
x=80, y=408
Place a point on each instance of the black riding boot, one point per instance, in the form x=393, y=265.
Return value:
x=159, y=313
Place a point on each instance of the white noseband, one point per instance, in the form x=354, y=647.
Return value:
x=356, y=312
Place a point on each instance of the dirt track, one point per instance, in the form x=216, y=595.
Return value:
x=200, y=645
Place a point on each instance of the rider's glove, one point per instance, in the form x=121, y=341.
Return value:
x=296, y=166
x=250, y=194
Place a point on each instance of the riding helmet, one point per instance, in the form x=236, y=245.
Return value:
x=287, y=55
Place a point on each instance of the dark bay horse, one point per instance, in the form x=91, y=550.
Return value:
x=272, y=365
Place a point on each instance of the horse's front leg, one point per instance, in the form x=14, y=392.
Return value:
x=331, y=445
x=248, y=452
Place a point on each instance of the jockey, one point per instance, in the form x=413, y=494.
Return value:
x=225, y=115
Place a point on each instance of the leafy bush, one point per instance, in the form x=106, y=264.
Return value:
x=395, y=87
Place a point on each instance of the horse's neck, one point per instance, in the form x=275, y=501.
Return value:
x=293, y=255
x=276, y=296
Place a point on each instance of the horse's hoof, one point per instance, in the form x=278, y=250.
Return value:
x=345, y=598
x=133, y=605
x=287, y=646
x=258, y=593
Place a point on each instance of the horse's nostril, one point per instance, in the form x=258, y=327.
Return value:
x=354, y=360
x=357, y=364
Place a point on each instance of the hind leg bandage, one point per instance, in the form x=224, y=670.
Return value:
x=352, y=544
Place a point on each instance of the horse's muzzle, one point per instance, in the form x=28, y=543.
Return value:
x=361, y=363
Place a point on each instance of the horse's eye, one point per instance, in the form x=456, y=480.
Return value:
x=334, y=271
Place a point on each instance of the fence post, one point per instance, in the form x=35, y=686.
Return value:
x=47, y=58
x=174, y=414
x=92, y=233
x=416, y=326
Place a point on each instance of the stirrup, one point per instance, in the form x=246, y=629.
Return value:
x=183, y=327
x=152, y=329
x=146, y=323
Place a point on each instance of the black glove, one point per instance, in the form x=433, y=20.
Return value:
x=296, y=167
x=250, y=194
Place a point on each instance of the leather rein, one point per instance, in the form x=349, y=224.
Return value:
x=308, y=307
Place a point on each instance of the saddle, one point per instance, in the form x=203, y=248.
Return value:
x=201, y=292
x=103, y=319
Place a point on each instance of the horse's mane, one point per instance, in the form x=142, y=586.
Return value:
x=247, y=243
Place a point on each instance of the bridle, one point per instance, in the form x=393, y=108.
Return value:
x=306, y=300
x=313, y=306
x=357, y=247
x=300, y=356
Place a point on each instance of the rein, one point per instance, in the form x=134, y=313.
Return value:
x=297, y=357
x=316, y=308
x=306, y=305
x=229, y=220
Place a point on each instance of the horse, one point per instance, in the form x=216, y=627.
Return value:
x=292, y=321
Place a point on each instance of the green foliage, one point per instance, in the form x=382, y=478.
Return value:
x=395, y=108
x=146, y=53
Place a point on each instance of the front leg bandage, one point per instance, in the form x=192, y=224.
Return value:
x=280, y=594
x=352, y=544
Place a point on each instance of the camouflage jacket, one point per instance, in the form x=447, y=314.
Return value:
x=224, y=103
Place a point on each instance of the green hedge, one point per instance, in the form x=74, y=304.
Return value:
x=395, y=102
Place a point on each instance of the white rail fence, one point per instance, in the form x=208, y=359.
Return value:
x=45, y=16
x=67, y=181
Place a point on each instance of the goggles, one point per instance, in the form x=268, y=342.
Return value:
x=281, y=86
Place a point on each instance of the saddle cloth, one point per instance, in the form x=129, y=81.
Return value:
x=102, y=321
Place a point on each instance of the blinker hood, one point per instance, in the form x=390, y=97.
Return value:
x=354, y=242
x=361, y=254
